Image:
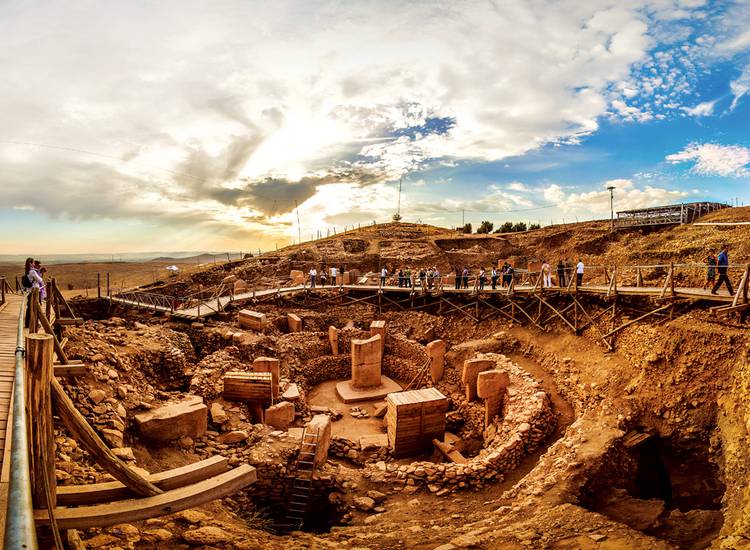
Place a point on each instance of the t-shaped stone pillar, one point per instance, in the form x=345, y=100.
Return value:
x=367, y=382
x=269, y=364
x=378, y=327
x=320, y=425
x=491, y=386
x=472, y=368
x=367, y=358
x=333, y=338
x=436, y=352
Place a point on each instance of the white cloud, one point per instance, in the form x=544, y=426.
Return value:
x=712, y=159
x=705, y=108
x=517, y=186
x=627, y=196
x=740, y=87
x=226, y=116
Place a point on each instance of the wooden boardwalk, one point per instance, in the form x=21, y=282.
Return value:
x=8, y=335
x=213, y=306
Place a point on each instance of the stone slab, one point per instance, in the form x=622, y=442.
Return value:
x=378, y=327
x=252, y=320
x=294, y=323
x=188, y=417
x=269, y=364
x=321, y=423
x=279, y=416
x=470, y=373
x=491, y=383
x=297, y=277
x=349, y=394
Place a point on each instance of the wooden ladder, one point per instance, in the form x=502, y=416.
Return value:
x=302, y=484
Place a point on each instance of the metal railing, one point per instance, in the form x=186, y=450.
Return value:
x=20, y=531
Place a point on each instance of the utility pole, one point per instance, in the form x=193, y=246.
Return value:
x=611, y=190
x=299, y=228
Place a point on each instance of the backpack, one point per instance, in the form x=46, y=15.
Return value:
x=26, y=282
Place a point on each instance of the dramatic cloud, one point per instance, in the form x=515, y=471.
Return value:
x=712, y=159
x=233, y=115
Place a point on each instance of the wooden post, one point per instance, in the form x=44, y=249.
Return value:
x=85, y=435
x=34, y=311
x=39, y=375
x=48, y=329
x=638, y=277
x=98, y=285
x=108, y=293
x=56, y=302
x=671, y=279
x=742, y=289
x=2, y=291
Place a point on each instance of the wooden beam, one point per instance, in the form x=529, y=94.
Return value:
x=85, y=435
x=591, y=322
x=560, y=315
x=724, y=310
x=95, y=493
x=72, y=368
x=103, y=515
x=624, y=325
x=48, y=329
x=742, y=289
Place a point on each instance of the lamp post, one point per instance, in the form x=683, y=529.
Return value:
x=611, y=190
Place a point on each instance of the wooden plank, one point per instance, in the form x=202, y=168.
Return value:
x=76, y=495
x=169, y=502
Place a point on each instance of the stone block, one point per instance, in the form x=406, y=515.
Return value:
x=269, y=364
x=291, y=393
x=280, y=416
x=240, y=286
x=470, y=373
x=249, y=387
x=218, y=414
x=367, y=357
x=436, y=352
x=297, y=277
x=252, y=320
x=321, y=423
x=491, y=383
x=173, y=420
x=294, y=323
x=378, y=327
x=333, y=338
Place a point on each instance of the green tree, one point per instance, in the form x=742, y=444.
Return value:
x=466, y=228
x=485, y=227
x=534, y=226
x=519, y=226
x=507, y=227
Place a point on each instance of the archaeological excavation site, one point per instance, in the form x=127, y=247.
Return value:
x=239, y=406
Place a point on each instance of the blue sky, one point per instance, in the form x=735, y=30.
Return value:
x=132, y=126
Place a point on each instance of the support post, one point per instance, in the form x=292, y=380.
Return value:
x=98, y=285
x=39, y=375
x=638, y=277
x=34, y=311
x=108, y=292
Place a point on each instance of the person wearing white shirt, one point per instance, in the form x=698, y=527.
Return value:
x=383, y=275
x=579, y=272
x=313, y=276
x=334, y=273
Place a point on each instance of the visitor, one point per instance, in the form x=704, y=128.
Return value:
x=458, y=278
x=493, y=277
x=546, y=274
x=323, y=277
x=383, y=275
x=400, y=277
x=422, y=277
x=334, y=274
x=711, y=262
x=407, y=277
x=722, y=266
x=31, y=280
x=43, y=287
x=436, y=277
x=465, y=278
x=508, y=276
x=560, y=274
x=430, y=275
x=313, y=276
x=579, y=272
x=482, y=278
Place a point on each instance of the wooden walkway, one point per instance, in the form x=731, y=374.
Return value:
x=211, y=307
x=8, y=335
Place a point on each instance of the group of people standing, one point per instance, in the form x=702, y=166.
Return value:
x=33, y=277
x=323, y=277
x=408, y=278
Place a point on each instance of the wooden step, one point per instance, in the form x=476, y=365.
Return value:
x=75, y=495
x=169, y=502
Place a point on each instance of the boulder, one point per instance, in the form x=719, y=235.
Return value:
x=97, y=396
x=291, y=393
x=173, y=420
x=207, y=535
x=280, y=416
x=365, y=504
x=218, y=414
x=232, y=437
